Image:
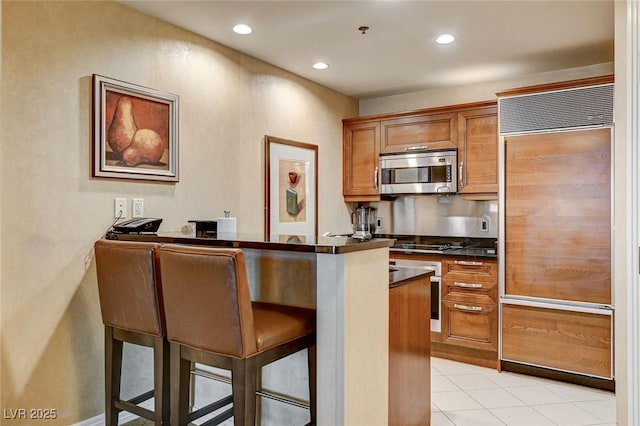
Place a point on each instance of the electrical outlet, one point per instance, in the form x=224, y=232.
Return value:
x=120, y=208
x=137, y=207
x=484, y=225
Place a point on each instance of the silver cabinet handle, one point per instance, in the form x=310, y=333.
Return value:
x=414, y=148
x=468, y=263
x=460, y=178
x=468, y=308
x=467, y=285
x=375, y=178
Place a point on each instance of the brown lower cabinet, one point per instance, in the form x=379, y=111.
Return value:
x=469, y=312
x=473, y=325
x=571, y=341
x=409, y=354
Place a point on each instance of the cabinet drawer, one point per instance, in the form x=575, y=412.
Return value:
x=473, y=325
x=461, y=269
x=428, y=131
x=484, y=291
x=570, y=341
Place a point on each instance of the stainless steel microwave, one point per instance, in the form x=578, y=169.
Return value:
x=429, y=172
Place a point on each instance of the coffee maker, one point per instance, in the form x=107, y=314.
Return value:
x=363, y=221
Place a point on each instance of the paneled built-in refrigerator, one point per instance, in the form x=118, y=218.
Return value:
x=555, y=231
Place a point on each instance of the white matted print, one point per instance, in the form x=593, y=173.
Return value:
x=291, y=187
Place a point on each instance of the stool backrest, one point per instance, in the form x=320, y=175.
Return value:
x=129, y=286
x=207, y=300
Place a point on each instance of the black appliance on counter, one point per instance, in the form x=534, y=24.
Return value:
x=205, y=228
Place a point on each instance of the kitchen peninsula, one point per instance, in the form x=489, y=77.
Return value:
x=347, y=282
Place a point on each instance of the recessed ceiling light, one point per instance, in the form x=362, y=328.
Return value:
x=242, y=29
x=445, y=39
x=320, y=66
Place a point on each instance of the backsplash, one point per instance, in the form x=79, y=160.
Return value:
x=433, y=215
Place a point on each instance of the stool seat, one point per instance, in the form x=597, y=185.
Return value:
x=276, y=324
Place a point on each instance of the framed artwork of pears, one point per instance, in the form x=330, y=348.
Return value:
x=135, y=131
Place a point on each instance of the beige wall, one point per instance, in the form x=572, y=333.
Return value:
x=52, y=210
x=474, y=92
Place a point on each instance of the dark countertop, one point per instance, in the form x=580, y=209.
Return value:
x=330, y=245
x=402, y=276
x=466, y=247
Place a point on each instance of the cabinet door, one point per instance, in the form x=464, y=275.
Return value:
x=478, y=151
x=427, y=131
x=409, y=354
x=473, y=325
x=360, y=148
x=563, y=340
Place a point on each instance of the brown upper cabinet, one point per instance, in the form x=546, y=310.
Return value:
x=471, y=128
x=360, y=149
x=420, y=132
x=478, y=151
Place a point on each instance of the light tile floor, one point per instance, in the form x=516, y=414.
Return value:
x=467, y=395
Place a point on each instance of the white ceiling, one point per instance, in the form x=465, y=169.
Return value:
x=495, y=39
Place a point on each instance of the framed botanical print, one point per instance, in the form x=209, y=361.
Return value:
x=291, y=191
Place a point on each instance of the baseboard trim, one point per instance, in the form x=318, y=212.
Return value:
x=547, y=373
x=123, y=418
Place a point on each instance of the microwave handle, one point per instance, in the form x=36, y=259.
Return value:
x=375, y=178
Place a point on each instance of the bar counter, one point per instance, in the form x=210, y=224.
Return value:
x=347, y=282
x=329, y=245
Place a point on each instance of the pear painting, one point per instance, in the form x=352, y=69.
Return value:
x=137, y=132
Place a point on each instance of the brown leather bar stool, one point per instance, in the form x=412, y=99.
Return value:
x=211, y=320
x=131, y=303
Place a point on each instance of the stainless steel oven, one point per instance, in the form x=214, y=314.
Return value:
x=436, y=292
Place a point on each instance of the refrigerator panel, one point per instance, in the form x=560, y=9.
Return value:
x=565, y=340
x=557, y=216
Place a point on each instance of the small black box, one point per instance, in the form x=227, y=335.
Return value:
x=205, y=228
